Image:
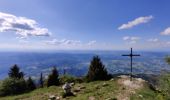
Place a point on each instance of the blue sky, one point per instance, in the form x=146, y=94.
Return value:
x=84, y=25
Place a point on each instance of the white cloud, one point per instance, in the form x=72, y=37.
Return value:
x=159, y=43
x=69, y=42
x=168, y=43
x=22, y=26
x=126, y=38
x=90, y=43
x=153, y=40
x=131, y=40
x=63, y=42
x=166, y=31
x=137, y=21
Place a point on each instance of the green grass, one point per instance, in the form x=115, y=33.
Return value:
x=147, y=94
x=90, y=90
x=38, y=94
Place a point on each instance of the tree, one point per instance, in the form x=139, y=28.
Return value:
x=167, y=59
x=53, y=78
x=14, y=72
x=41, y=81
x=11, y=86
x=97, y=70
x=30, y=84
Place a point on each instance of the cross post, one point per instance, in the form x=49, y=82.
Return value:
x=131, y=55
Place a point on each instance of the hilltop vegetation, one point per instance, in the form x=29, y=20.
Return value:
x=96, y=85
x=98, y=90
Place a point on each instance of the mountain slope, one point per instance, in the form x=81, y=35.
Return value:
x=115, y=89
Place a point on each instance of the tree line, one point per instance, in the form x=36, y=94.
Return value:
x=16, y=83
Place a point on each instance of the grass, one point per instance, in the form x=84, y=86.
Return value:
x=92, y=89
x=100, y=90
x=147, y=94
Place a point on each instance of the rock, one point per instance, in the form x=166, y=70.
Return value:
x=91, y=98
x=72, y=84
x=141, y=96
x=77, y=90
x=52, y=97
x=104, y=84
x=82, y=87
x=58, y=98
x=111, y=99
x=112, y=79
x=67, y=88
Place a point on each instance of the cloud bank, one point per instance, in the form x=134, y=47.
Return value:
x=22, y=26
x=135, y=22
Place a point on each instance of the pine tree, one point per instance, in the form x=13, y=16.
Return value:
x=41, y=81
x=53, y=78
x=97, y=70
x=14, y=72
x=30, y=84
x=168, y=59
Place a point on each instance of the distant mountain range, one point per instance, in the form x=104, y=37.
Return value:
x=77, y=62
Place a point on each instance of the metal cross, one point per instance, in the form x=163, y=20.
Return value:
x=131, y=55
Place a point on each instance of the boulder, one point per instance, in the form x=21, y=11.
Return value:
x=67, y=88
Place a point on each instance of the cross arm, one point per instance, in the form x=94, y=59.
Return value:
x=136, y=55
x=125, y=55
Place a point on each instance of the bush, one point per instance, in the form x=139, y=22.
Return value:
x=164, y=84
x=67, y=78
x=11, y=86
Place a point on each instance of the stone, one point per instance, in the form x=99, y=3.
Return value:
x=67, y=88
x=104, y=84
x=72, y=84
x=112, y=79
x=141, y=96
x=77, y=90
x=91, y=98
x=52, y=97
x=82, y=87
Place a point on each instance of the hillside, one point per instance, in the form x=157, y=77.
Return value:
x=120, y=88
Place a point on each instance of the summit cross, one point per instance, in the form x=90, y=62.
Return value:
x=131, y=55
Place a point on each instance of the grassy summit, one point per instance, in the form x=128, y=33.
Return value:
x=115, y=89
x=96, y=85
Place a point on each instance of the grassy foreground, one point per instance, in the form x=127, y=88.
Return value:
x=98, y=90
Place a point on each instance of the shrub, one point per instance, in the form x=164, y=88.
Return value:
x=67, y=78
x=11, y=86
x=164, y=84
